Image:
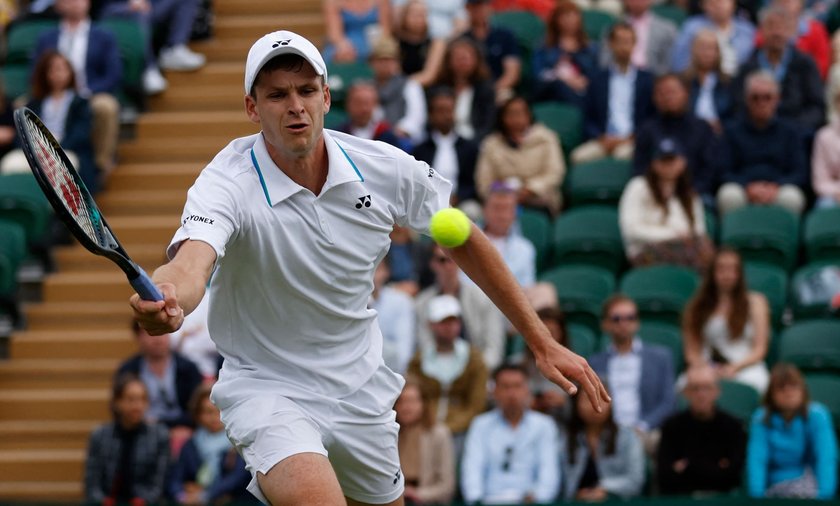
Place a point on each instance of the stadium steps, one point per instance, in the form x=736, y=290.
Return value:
x=45, y=434
x=43, y=491
x=211, y=98
x=217, y=73
x=48, y=465
x=57, y=404
x=136, y=202
x=251, y=26
x=87, y=286
x=77, y=258
x=53, y=315
x=39, y=380
x=181, y=125
x=153, y=176
x=78, y=344
x=173, y=149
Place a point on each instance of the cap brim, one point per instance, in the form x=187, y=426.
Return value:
x=281, y=51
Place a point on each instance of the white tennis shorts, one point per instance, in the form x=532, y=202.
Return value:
x=358, y=434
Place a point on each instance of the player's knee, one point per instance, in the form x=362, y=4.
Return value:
x=306, y=479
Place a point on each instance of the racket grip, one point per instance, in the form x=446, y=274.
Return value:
x=144, y=286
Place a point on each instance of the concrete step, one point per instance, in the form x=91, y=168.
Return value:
x=41, y=491
x=139, y=202
x=215, y=73
x=57, y=375
x=194, y=125
x=208, y=97
x=153, y=176
x=151, y=229
x=252, y=26
x=70, y=343
x=78, y=315
x=53, y=404
x=46, y=434
x=47, y=465
x=92, y=287
x=270, y=8
x=169, y=150
x=77, y=258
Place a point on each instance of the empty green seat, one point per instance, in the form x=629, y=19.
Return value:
x=738, y=399
x=536, y=227
x=132, y=44
x=588, y=235
x=770, y=280
x=566, y=121
x=809, y=294
x=812, y=345
x=763, y=234
x=582, y=340
x=581, y=289
x=666, y=335
x=22, y=201
x=598, y=182
x=528, y=28
x=660, y=291
x=825, y=389
x=335, y=118
x=596, y=23
x=343, y=75
x=22, y=40
x=821, y=234
x=15, y=80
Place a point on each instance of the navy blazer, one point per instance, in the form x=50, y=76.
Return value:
x=656, y=387
x=598, y=102
x=230, y=481
x=467, y=153
x=103, y=67
x=722, y=96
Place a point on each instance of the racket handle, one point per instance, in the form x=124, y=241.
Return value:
x=145, y=287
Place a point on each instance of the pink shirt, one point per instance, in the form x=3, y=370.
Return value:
x=825, y=162
x=641, y=25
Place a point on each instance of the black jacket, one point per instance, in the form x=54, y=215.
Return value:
x=467, y=153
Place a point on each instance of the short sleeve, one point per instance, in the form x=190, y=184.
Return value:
x=210, y=214
x=422, y=192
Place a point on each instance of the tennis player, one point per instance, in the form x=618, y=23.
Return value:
x=291, y=222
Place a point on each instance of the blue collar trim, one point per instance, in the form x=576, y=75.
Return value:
x=262, y=180
x=361, y=178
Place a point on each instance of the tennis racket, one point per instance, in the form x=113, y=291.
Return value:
x=72, y=202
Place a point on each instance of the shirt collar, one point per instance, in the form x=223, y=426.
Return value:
x=438, y=137
x=635, y=348
x=82, y=28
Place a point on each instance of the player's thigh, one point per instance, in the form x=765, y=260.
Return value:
x=302, y=479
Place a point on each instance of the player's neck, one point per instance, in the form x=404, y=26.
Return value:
x=309, y=170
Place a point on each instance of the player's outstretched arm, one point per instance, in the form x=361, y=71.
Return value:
x=480, y=260
x=182, y=282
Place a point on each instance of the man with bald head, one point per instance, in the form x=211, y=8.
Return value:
x=702, y=447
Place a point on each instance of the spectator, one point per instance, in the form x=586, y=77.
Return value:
x=764, y=161
x=564, y=65
x=511, y=452
x=127, y=458
x=711, y=90
x=825, y=162
x=451, y=371
x=451, y=155
x=395, y=312
x=523, y=154
x=661, y=217
x=365, y=118
x=549, y=398
x=833, y=83
x=483, y=323
x=94, y=54
x=352, y=26
x=7, y=126
x=208, y=469
x=422, y=56
x=810, y=34
x=193, y=340
x=674, y=120
x=641, y=376
x=736, y=36
x=541, y=8
x=447, y=18
x=796, y=75
x=617, y=103
x=402, y=99
x=655, y=38
x=602, y=459
x=792, y=448
x=464, y=71
x=169, y=377
x=499, y=46
x=426, y=455
x=499, y=226
x=702, y=447
x=727, y=325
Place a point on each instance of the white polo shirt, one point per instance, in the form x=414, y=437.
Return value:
x=294, y=272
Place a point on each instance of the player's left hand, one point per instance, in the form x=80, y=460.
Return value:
x=564, y=367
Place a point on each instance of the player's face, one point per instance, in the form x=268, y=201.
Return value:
x=131, y=406
x=209, y=416
x=409, y=406
x=289, y=107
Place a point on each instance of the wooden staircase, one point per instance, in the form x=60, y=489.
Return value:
x=54, y=389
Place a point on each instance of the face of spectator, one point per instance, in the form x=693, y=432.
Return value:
x=670, y=96
x=446, y=332
x=727, y=272
x=669, y=169
x=361, y=102
x=445, y=268
x=555, y=329
x=479, y=13
x=701, y=391
x=762, y=100
x=789, y=397
x=73, y=10
x=442, y=113
x=463, y=60
x=511, y=393
x=719, y=11
x=793, y=6
x=131, y=406
x=636, y=8
x=500, y=213
x=569, y=22
x=777, y=31
x=587, y=413
x=153, y=347
x=384, y=68
x=416, y=18
x=59, y=74
x=409, y=406
x=705, y=51
x=516, y=118
x=621, y=45
x=622, y=322
x=209, y=416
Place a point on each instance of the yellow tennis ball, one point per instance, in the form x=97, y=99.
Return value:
x=450, y=227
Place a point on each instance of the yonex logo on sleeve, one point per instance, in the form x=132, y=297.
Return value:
x=201, y=219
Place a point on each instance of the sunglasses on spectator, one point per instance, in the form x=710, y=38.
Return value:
x=618, y=318
x=761, y=97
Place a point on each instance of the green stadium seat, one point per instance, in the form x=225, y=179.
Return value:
x=821, y=234
x=660, y=291
x=825, y=389
x=343, y=75
x=536, y=227
x=528, y=28
x=763, y=234
x=588, y=235
x=335, y=118
x=738, y=399
x=13, y=245
x=598, y=182
x=712, y=228
x=582, y=340
x=581, y=289
x=132, y=43
x=566, y=121
x=772, y=281
x=805, y=307
x=15, y=80
x=22, y=40
x=22, y=201
x=596, y=23
x=671, y=12
x=665, y=335
x=812, y=345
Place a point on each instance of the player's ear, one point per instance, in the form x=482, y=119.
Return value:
x=327, y=98
x=251, y=109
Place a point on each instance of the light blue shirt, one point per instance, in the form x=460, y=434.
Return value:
x=395, y=312
x=705, y=107
x=163, y=397
x=620, y=112
x=502, y=464
x=741, y=39
x=624, y=373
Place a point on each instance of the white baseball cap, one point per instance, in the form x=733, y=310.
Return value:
x=443, y=307
x=275, y=44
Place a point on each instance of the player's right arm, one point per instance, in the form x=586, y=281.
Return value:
x=182, y=282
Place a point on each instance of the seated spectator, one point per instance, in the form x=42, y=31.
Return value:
x=617, y=103
x=483, y=323
x=640, y=376
x=655, y=38
x=736, y=36
x=548, y=397
x=511, y=453
x=465, y=72
x=427, y=459
x=499, y=226
x=193, y=340
x=208, y=469
x=702, y=447
x=711, y=90
x=422, y=56
x=764, y=162
x=602, y=459
x=447, y=18
x=175, y=18
x=832, y=86
x=7, y=126
x=825, y=162
x=810, y=35
x=523, y=154
x=498, y=45
x=127, y=458
x=566, y=62
x=675, y=120
x=94, y=54
x=541, y=8
x=395, y=313
x=365, y=118
x=792, y=448
x=802, y=99
x=450, y=371
x=402, y=100
x=661, y=217
x=727, y=325
x=352, y=26
x=451, y=155
x=169, y=377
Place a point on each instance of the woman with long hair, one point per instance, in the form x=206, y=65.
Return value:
x=352, y=26
x=728, y=325
x=792, y=447
x=426, y=453
x=711, y=93
x=421, y=55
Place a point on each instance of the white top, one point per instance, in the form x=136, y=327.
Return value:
x=73, y=44
x=193, y=340
x=446, y=157
x=622, y=92
x=294, y=274
x=396, y=320
x=624, y=372
x=414, y=121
